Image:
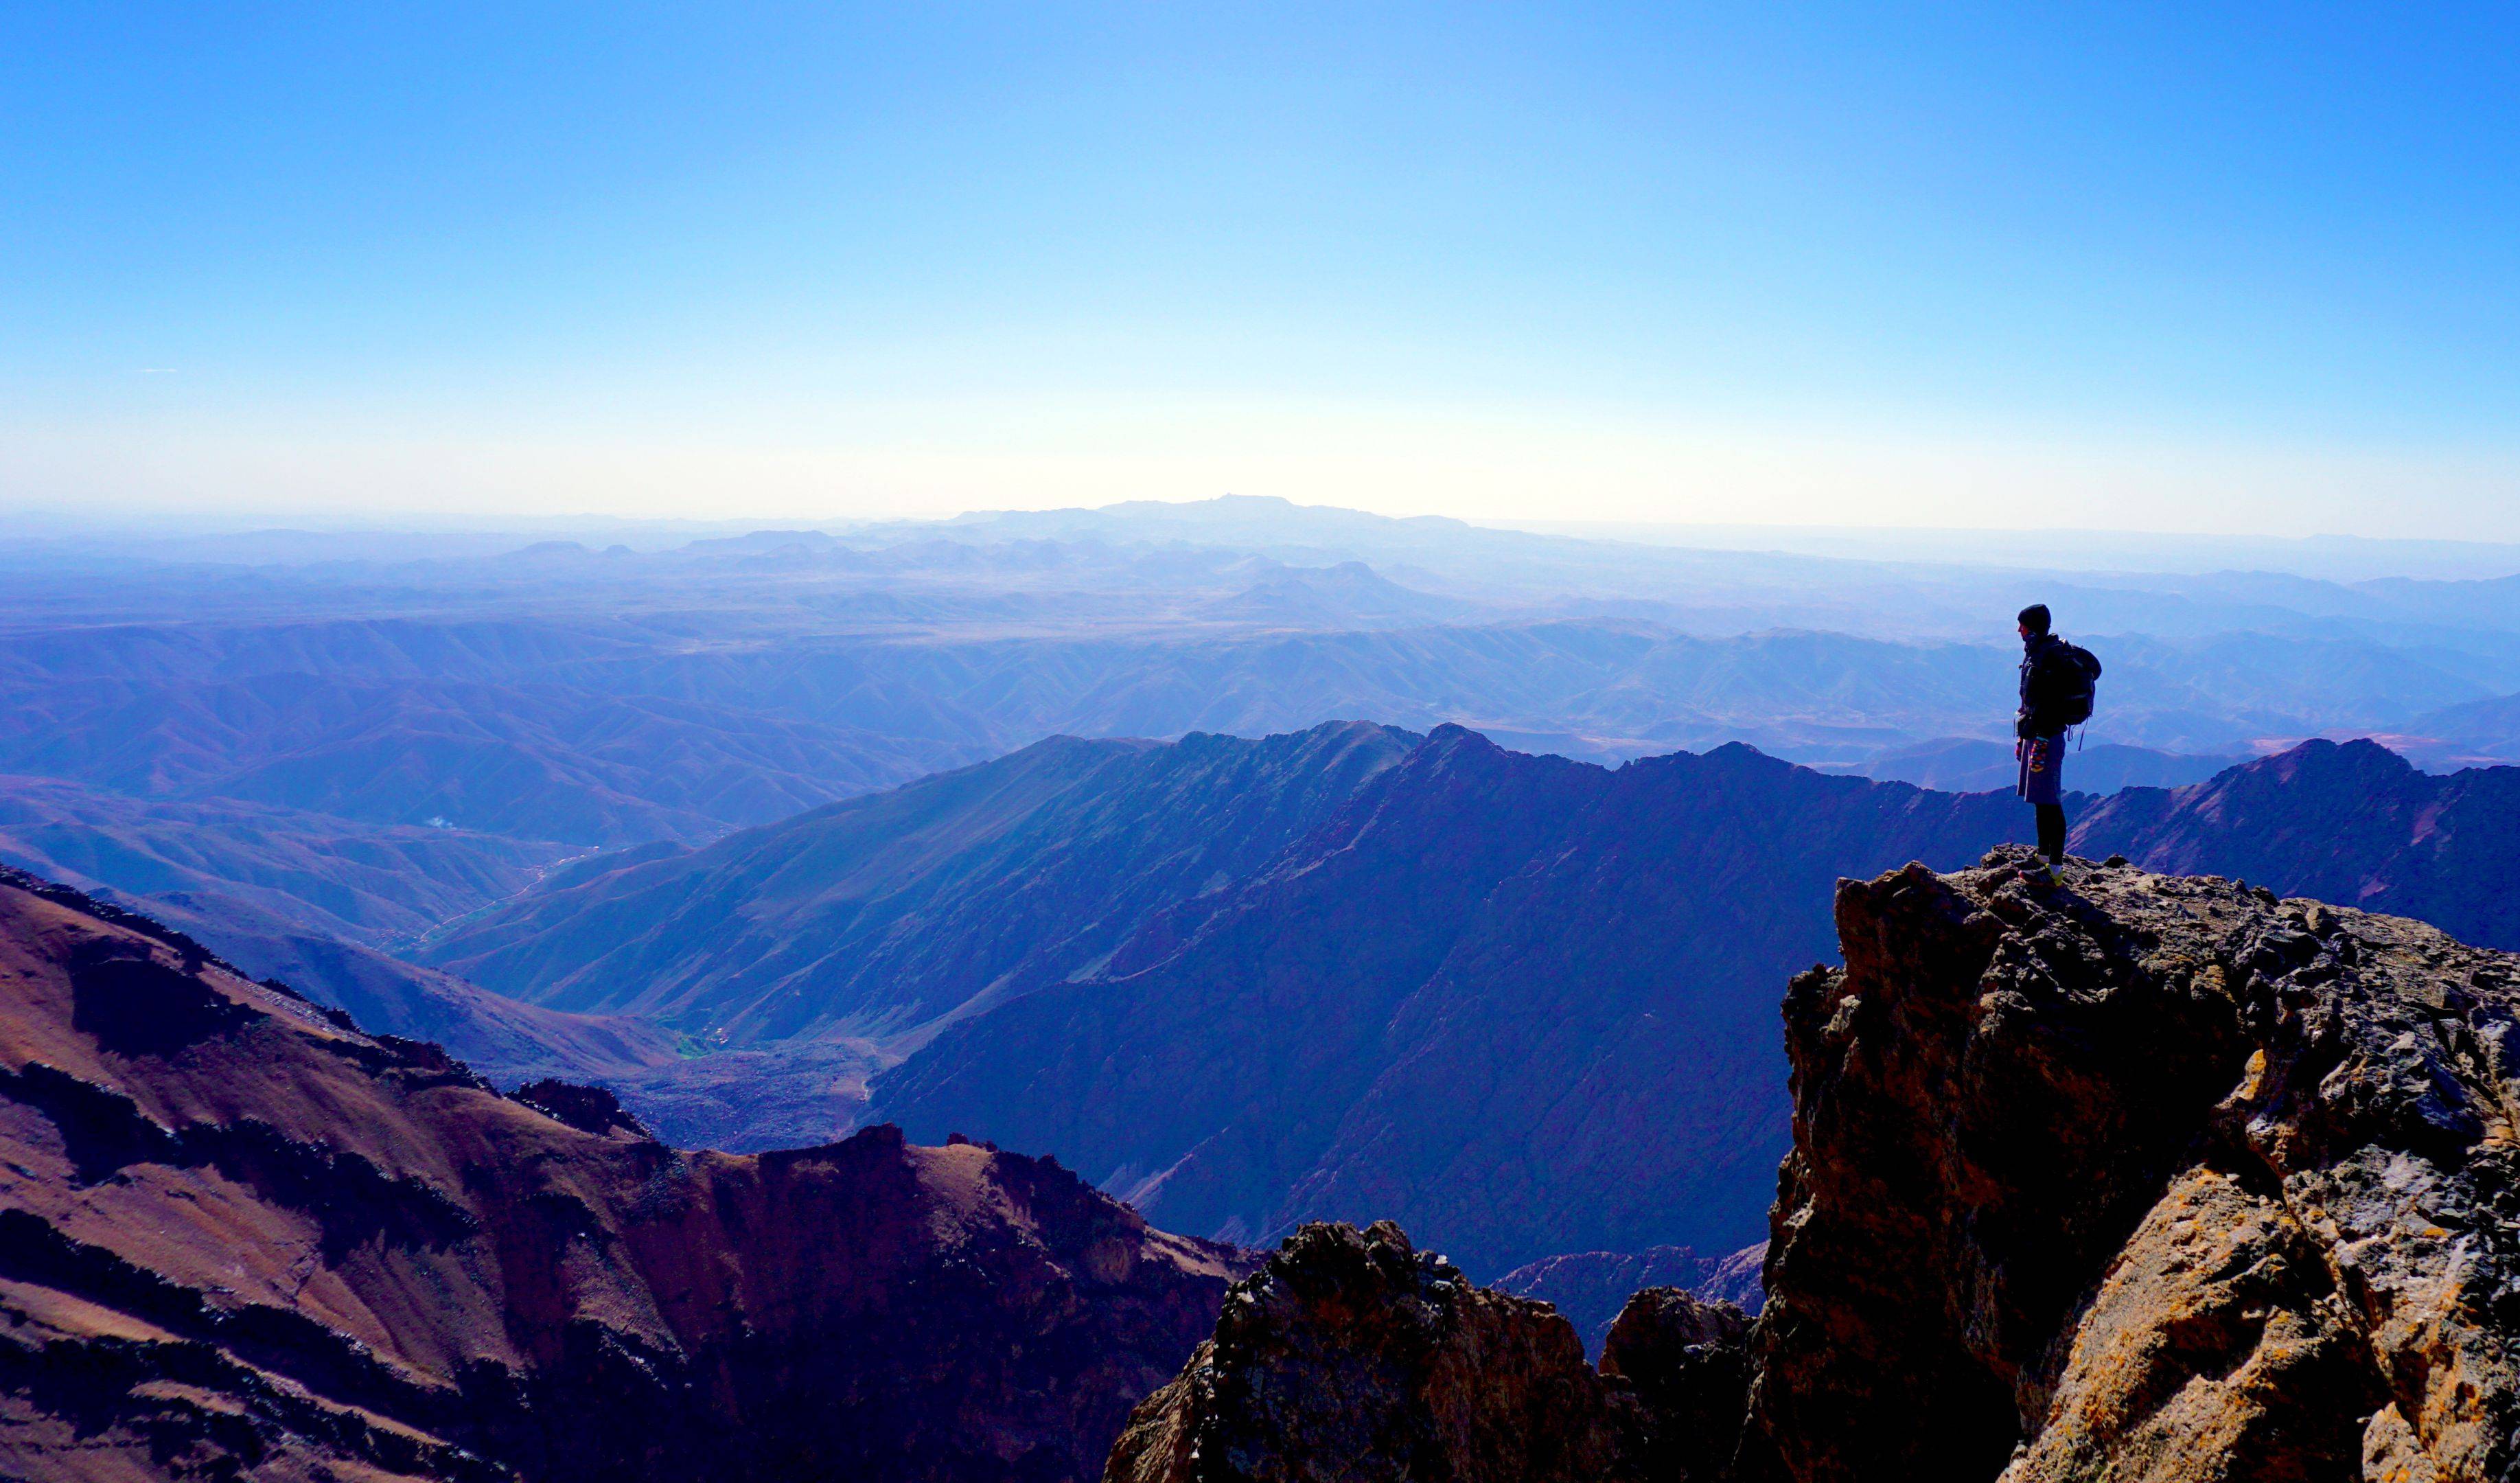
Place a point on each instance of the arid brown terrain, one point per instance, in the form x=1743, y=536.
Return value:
x=240, y=1239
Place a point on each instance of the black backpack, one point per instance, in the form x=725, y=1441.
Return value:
x=2078, y=677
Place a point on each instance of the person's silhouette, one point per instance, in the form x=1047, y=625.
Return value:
x=2049, y=677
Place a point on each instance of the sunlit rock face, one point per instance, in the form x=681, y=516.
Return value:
x=2134, y=1176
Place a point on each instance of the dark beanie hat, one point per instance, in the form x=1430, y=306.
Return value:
x=2034, y=617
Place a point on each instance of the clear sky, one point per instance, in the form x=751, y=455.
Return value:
x=2170, y=267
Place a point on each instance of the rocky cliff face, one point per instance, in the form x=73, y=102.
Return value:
x=239, y=1238
x=2141, y=1176
x=2112, y=1176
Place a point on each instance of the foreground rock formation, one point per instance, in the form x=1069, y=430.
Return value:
x=239, y=1238
x=2143, y=1176
x=1352, y=1355
x=2112, y=1176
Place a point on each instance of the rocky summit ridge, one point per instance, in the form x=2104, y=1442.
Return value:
x=2096, y=1174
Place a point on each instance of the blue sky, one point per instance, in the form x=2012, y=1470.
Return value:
x=2250, y=269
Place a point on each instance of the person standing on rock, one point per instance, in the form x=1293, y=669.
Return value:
x=2058, y=681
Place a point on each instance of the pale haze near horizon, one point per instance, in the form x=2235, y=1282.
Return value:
x=2245, y=273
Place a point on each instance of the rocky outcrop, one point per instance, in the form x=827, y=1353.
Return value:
x=1686, y=1361
x=240, y=1239
x=2124, y=1175
x=2096, y=1175
x=1351, y=1355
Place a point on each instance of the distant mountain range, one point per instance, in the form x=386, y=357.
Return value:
x=1348, y=594
x=324, y=903
x=1277, y=959
x=374, y=885
x=605, y=733
x=525, y=758
x=558, y=692
x=1972, y=765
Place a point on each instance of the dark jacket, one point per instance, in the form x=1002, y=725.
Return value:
x=2047, y=675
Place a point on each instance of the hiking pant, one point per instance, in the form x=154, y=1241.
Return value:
x=2042, y=783
x=2052, y=832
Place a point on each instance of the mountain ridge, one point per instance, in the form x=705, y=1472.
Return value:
x=1604, y=971
x=1416, y=923
x=1070, y=841
x=2350, y=823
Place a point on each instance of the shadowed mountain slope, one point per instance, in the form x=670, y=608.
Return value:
x=239, y=1238
x=882, y=915
x=1523, y=1003
x=2353, y=824
x=502, y=1038
x=1515, y=1001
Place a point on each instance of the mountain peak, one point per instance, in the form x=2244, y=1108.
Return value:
x=2358, y=755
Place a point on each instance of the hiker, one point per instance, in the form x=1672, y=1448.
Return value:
x=2057, y=687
